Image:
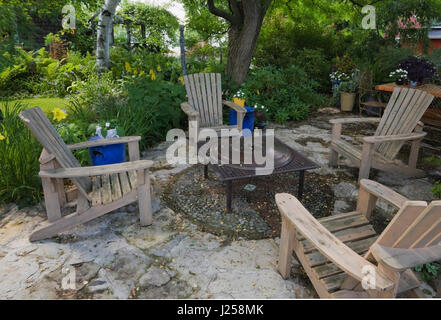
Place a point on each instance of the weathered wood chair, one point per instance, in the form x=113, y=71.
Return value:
x=400, y=123
x=338, y=251
x=204, y=106
x=100, y=189
x=368, y=98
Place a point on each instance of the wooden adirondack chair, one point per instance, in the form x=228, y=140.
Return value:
x=400, y=123
x=204, y=106
x=337, y=252
x=111, y=186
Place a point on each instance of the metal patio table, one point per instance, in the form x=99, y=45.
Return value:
x=286, y=160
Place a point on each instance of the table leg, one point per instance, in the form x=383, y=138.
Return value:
x=206, y=171
x=229, y=190
x=301, y=184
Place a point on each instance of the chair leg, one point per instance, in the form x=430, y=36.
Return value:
x=413, y=157
x=333, y=158
x=144, y=198
x=366, y=161
x=51, y=200
x=286, y=248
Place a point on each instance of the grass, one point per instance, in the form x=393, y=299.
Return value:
x=46, y=104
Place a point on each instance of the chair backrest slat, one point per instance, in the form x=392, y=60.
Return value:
x=46, y=134
x=403, y=112
x=204, y=92
x=401, y=222
x=423, y=229
x=416, y=225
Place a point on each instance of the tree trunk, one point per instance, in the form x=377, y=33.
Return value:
x=246, y=21
x=104, y=34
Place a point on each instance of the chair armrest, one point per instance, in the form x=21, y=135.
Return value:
x=399, y=259
x=398, y=137
x=234, y=106
x=189, y=110
x=97, y=170
x=354, y=120
x=383, y=192
x=324, y=241
x=103, y=142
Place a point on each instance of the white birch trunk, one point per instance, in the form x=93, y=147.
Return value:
x=104, y=34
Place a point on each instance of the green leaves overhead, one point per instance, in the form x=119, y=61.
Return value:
x=151, y=25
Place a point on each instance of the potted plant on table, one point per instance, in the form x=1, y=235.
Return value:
x=260, y=116
x=347, y=91
x=400, y=76
x=418, y=70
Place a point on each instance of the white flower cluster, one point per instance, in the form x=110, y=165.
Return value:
x=260, y=107
x=338, y=76
x=399, y=73
x=240, y=94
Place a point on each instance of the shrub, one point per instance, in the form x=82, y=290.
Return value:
x=153, y=108
x=288, y=93
x=19, y=153
x=315, y=64
x=144, y=107
x=386, y=61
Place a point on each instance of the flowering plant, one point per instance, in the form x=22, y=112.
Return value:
x=260, y=107
x=59, y=114
x=418, y=68
x=240, y=94
x=339, y=76
x=399, y=74
x=106, y=129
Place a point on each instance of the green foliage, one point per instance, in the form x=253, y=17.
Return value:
x=159, y=25
x=19, y=153
x=429, y=270
x=36, y=73
x=287, y=93
x=90, y=91
x=153, y=108
x=433, y=160
x=386, y=61
x=435, y=58
x=436, y=190
x=141, y=60
x=74, y=132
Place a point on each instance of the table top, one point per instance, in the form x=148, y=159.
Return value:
x=433, y=89
x=298, y=162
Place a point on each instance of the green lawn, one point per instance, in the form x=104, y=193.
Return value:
x=47, y=104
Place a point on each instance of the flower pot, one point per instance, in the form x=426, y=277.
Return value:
x=347, y=100
x=260, y=116
x=239, y=101
x=399, y=81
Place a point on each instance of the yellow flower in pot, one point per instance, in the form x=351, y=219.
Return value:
x=239, y=98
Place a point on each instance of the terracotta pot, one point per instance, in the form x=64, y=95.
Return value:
x=347, y=100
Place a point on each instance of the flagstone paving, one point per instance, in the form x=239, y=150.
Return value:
x=113, y=257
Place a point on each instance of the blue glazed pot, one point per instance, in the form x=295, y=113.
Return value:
x=111, y=154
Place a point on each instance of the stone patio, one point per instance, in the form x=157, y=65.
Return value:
x=113, y=257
